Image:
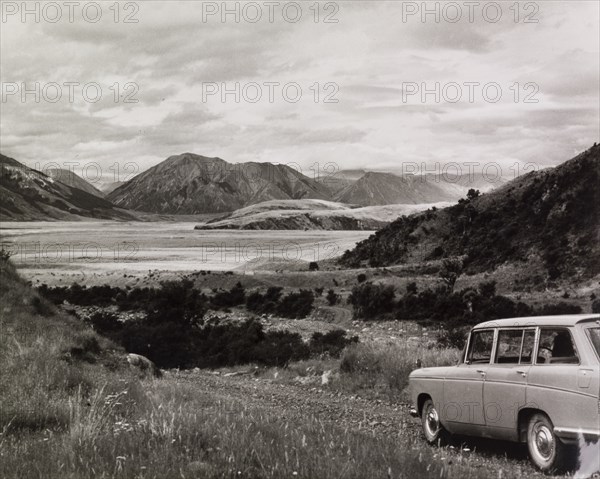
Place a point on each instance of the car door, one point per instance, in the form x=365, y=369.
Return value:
x=560, y=384
x=505, y=385
x=463, y=386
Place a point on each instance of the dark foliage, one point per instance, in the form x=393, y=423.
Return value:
x=227, y=299
x=332, y=297
x=296, y=305
x=370, y=300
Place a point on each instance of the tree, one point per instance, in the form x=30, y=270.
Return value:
x=487, y=289
x=332, y=297
x=472, y=194
x=450, y=271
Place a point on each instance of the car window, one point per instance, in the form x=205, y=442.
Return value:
x=480, y=348
x=556, y=347
x=509, y=346
x=528, y=345
x=594, y=334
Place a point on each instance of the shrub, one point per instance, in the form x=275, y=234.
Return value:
x=227, y=299
x=313, y=266
x=296, y=305
x=361, y=278
x=370, y=300
x=332, y=297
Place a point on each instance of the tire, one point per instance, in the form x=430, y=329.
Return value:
x=546, y=450
x=432, y=427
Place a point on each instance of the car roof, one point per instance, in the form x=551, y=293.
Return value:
x=559, y=320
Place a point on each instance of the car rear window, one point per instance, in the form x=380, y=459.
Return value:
x=594, y=334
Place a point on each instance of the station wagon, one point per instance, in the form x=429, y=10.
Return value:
x=533, y=380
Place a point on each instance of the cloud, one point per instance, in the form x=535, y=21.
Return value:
x=367, y=57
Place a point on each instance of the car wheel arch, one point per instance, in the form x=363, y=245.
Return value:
x=421, y=401
x=523, y=420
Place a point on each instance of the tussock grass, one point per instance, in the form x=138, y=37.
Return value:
x=384, y=368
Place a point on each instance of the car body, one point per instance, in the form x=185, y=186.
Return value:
x=515, y=371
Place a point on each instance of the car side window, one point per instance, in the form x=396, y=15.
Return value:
x=508, y=350
x=556, y=347
x=480, y=348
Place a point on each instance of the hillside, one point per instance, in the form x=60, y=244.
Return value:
x=191, y=184
x=74, y=181
x=27, y=194
x=547, y=218
x=311, y=215
x=386, y=189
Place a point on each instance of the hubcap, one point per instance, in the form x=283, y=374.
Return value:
x=432, y=421
x=544, y=441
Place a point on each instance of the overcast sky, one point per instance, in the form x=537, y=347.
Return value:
x=375, y=62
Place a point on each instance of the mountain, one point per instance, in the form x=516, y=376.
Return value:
x=337, y=181
x=375, y=188
x=74, y=181
x=107, y=188
x=27, y=194
x=310, y=215
x=191, y=184
x=544, y=223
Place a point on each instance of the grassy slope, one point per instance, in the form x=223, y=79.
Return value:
x=69, y=410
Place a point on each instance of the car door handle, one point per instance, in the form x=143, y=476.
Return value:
x=522, y=373
x=481, y=371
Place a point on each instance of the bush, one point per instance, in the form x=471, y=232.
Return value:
x=371, y=300
x=296, y=305
x=227, y=299
x=332, y=297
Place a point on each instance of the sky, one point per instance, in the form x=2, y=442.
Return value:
x=110, y=89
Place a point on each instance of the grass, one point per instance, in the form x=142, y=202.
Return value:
x=384, y=369
x=72, y=409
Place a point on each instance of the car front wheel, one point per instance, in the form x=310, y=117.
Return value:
x=546, y=450
x=432, y=426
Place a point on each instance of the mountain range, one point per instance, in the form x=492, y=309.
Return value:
x=27, y=194
x=191, y=184
x=547, y=219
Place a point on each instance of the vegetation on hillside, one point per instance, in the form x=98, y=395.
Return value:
x=455, y=310
x=174, y=333
x=549, y=216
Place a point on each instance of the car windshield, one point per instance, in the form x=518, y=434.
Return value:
x=594, y=334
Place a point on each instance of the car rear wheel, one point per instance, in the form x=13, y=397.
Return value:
x=546, y=451
x=432, y=426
